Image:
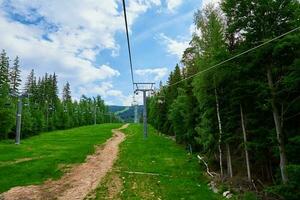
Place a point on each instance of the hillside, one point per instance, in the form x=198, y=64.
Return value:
x=126, y=113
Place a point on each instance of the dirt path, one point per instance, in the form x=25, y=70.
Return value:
x=79, y=181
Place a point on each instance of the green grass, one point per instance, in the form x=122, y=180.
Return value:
x=50, y=152
x=181, y=175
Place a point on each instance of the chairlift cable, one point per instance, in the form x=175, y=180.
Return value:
x=128, y=44
x=236, y=56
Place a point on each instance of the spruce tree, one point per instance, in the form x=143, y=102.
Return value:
x=15, y=80
x=67, y=93
x=6, y=111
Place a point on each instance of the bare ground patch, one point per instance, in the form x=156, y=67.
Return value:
x=114, y=187
x=79, y=181
x=109, y=188
x=20, y=160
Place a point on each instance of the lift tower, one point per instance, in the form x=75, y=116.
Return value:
x=135, y=107
x=144, y=88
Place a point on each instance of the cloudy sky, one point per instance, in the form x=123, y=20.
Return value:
x=84, y=41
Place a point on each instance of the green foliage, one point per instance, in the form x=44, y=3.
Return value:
x=249, y=196
x=177, y=116
x=14, y=75
x=6, y=107
x=289, y=191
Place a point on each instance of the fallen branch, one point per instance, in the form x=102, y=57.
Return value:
x=254, y=186
x=261, y=183
x=143, y=173
x=207, y=169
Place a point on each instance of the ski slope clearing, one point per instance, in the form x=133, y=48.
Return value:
x=48, y=155
x=80, y=180
x=153, y=168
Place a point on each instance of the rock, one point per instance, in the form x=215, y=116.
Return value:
x=227, y=194
x=215, y=190
x=213, y=187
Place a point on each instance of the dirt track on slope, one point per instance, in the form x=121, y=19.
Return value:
x=81, y=179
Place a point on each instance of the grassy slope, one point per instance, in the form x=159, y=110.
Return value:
x=157, y=155
x=50, y=152
x=121, y=111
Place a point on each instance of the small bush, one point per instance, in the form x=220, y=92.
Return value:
x=249, y=196
x=291, y=190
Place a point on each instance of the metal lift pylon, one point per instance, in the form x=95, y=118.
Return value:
x=144, y=88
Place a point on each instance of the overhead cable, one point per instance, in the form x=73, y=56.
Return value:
x=236, y=56
x=128, y=44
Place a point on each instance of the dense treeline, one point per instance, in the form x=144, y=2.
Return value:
x=42, y=108
x=244, y=114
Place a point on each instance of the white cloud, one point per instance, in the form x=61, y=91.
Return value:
x=150, y=31
x=107, y=91
x=206, y=2
x=125, y=100
x=174, y=47
x=193, y=30
x=136, y=7
x=156, y=73
x=66, y=36
x=173, y=4
x=88, y=54
x=94, y=88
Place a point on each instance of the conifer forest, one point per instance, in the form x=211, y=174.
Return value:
x=43, y=109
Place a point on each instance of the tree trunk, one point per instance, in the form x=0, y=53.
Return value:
x=220, y=132
x=278, y=127
x=245, y=143
x=229, y=165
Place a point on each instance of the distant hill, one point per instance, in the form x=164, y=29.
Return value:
x=126, y=113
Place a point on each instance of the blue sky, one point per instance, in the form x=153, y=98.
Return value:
x=84, y=41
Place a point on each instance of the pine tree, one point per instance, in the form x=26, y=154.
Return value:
x=31, y=85
x=15, y=80
x=27, y=120
x=178, y=113
x=67, y=93
x=67, y=106
x=212, y=44
x=4, y=74
x=6, y=111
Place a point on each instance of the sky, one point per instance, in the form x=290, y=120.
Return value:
x=84, y=41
